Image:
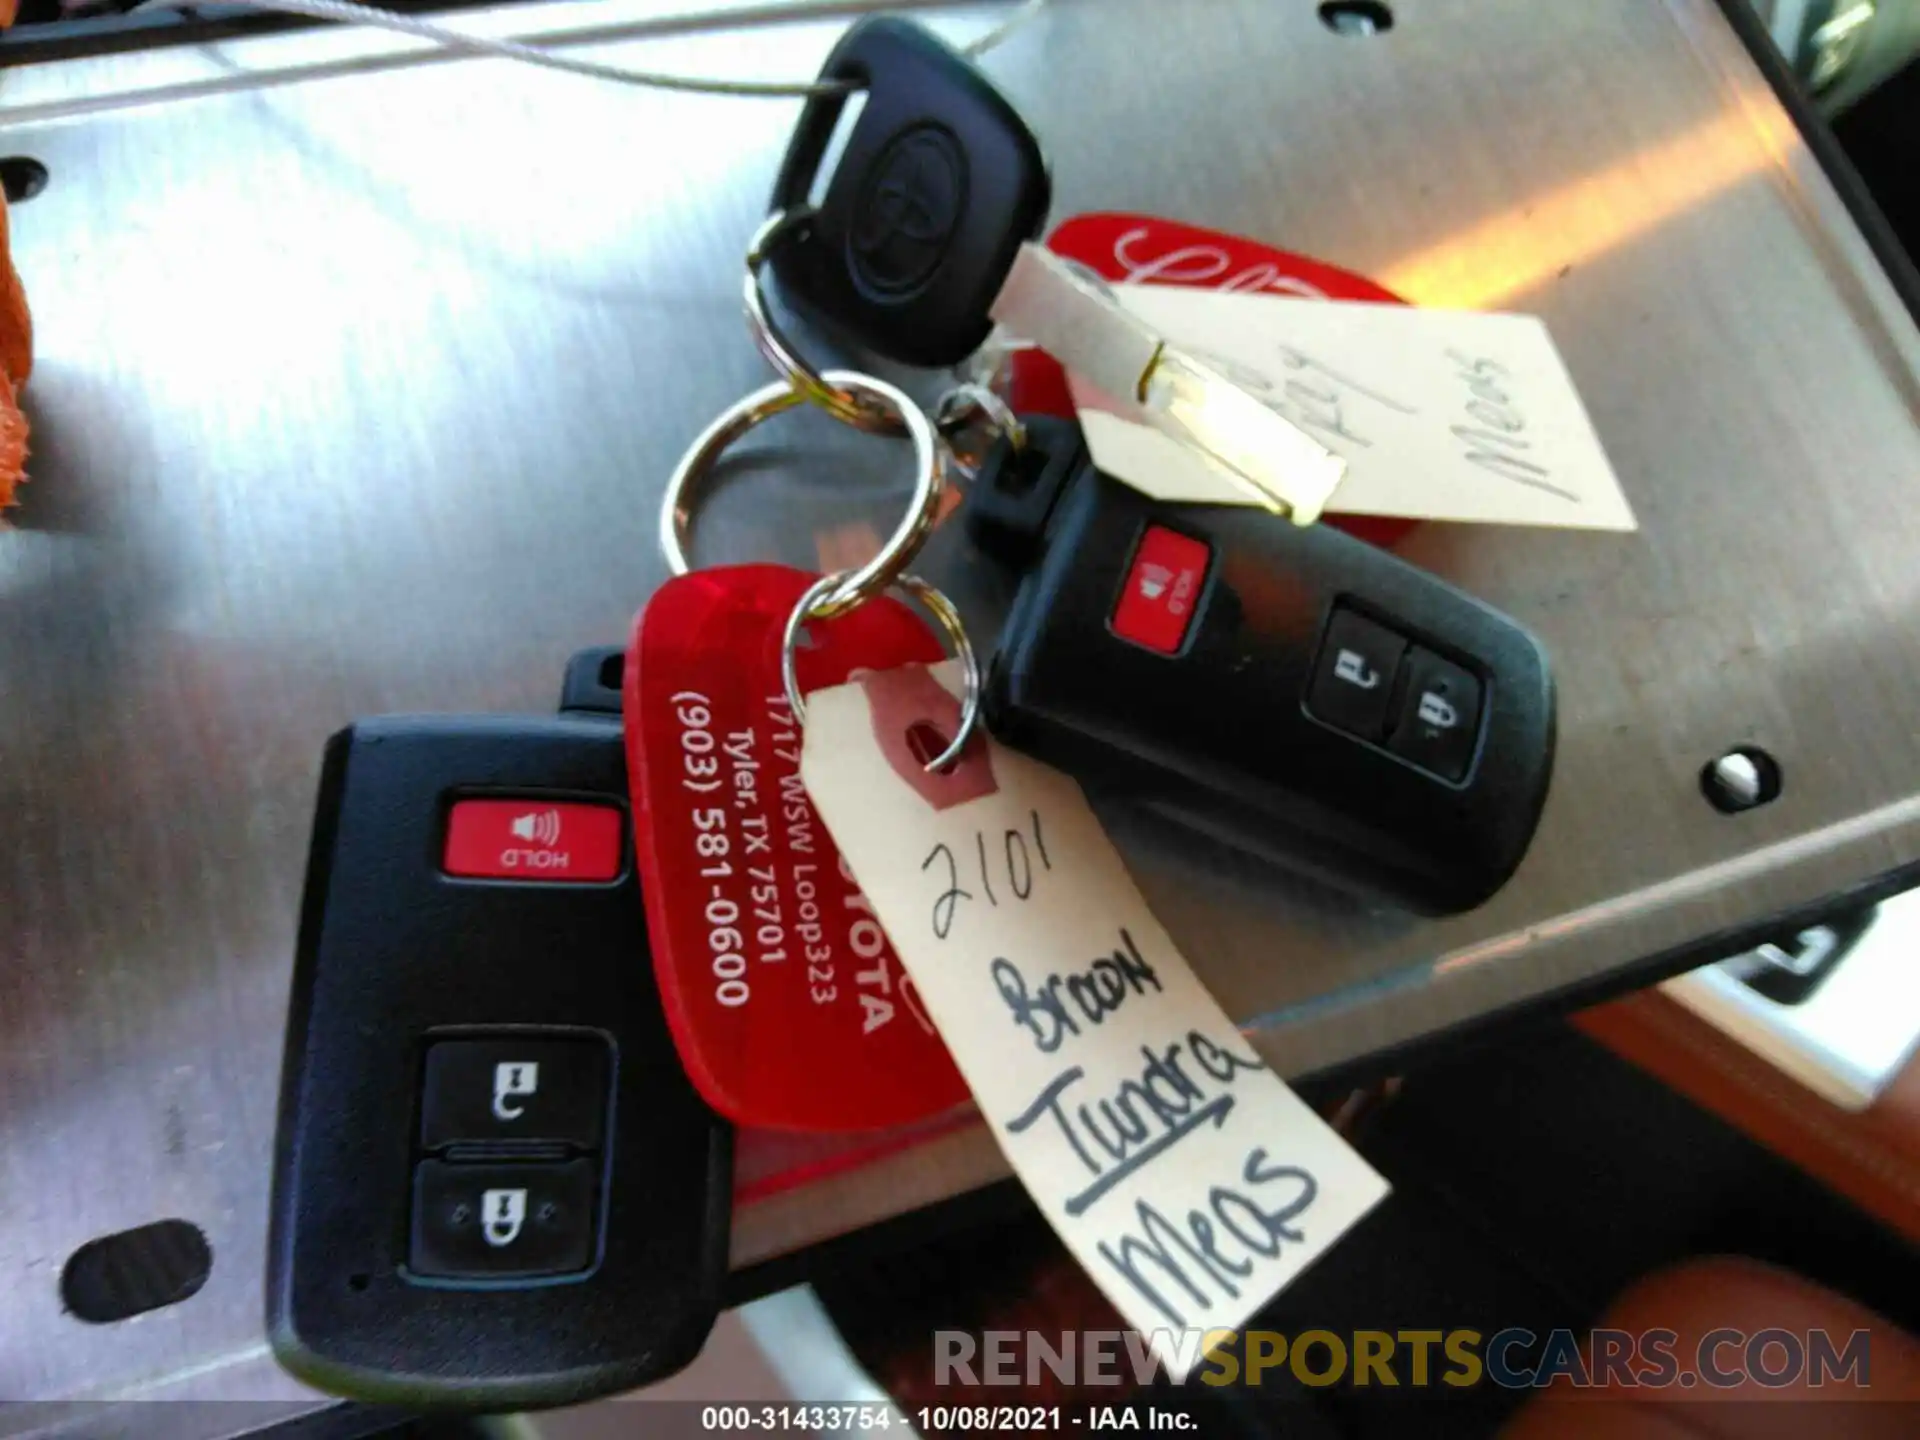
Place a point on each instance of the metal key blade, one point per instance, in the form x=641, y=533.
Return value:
x=1047, y=301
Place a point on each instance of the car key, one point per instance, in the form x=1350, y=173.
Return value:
x=922, y=240
x=939, y=184
x=1294, y=690
x=494, y=1186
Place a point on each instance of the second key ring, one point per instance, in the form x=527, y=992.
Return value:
x=829, y=390
x=870, y=579
x=944, y=614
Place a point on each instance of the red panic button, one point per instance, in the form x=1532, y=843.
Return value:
x=1157, y=603
x=534, y=839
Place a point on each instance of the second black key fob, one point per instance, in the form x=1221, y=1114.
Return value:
x=494, y=1186
x=1294, y=690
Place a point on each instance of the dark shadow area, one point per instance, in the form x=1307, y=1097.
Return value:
x=1881, y=135
x=1535, y=1178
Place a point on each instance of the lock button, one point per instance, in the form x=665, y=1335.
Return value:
x=514, y=1088
x=1353, y=685
x=499, y=1222
x=1439, y=717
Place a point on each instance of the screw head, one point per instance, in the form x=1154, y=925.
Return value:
x=1356, y=17
x=1742, y=779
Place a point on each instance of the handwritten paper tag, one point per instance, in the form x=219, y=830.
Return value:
x=1439, y=414
x=1189, y=1181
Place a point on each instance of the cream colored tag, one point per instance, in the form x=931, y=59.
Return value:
x=1185, y=1176
x=1439, y=414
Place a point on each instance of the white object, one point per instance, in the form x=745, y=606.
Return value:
x=1183, y=1174
x=1852, y=1035
x=512, y=1078
x=1436, y=414
x=502, y=1213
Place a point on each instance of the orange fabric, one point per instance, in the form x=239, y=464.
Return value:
x=9, y=12
x=1872, y=1157
x=1702, y=1296
x=16, y=352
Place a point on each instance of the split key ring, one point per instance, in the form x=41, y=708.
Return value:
x=831, y=391
x=837, y=593
x=943, y=611
x=868, y=580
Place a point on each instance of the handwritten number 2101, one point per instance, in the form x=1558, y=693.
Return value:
x=1017, y=857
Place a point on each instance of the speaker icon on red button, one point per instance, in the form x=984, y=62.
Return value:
x=1156, y=605
x=540, y=826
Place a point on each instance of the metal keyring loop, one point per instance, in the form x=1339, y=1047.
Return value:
x=942, y=610
x=960, y=405
x=811, y=385
x=967, y=403
x=855, y=586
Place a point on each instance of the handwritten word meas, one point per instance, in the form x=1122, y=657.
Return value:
x=1440, y=414
x=1187, y=1179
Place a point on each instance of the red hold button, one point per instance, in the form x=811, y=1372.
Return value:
x=534, y=839
x=1156, y=605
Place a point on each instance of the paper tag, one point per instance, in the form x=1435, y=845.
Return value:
x=1153, y=250
x=1188, y=1180
x=1440, y=414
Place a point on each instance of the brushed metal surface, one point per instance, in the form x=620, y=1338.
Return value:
x=355, y=395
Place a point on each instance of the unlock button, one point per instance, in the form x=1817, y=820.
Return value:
x=1439, y=717
x=502, y=1221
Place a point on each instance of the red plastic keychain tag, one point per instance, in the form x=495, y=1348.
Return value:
x=785, y=998
x=1147, y=250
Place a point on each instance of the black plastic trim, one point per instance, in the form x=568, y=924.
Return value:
x=1880, y=236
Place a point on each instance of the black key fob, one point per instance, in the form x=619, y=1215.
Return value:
x=494, y=1186
x=1296, y=691
x=939, y=183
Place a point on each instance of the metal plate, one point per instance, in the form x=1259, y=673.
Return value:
x=355, y=395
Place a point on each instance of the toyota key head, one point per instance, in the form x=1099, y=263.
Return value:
x=940, y=183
